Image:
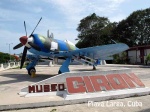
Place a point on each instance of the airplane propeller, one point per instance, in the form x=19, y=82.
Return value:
x=18, y=46
x=23, y=56
x=36, y=26
x=25, y=41
x=25, y=27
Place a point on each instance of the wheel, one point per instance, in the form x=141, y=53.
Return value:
x=31, y=70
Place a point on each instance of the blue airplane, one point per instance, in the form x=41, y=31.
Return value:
x=53, y=48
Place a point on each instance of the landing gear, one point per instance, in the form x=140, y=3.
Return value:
x=94, y=68
x=65, y=66
x=31, y=67
x=59, y=72
x=32, y=71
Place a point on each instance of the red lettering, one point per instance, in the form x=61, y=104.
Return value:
x=46, y=88
x=53, y=87
x=75, y=85
x=88, y=84
x=100, y=83
x=31, y=89
x=61, y=87
x=132, y=80
x=117, y=81
x=39, y=89
x=92, y=83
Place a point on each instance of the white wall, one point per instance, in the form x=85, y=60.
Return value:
x=147, y=51
x=132, y=56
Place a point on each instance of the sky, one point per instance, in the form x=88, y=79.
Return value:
x=61, y=17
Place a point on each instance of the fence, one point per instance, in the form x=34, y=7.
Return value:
x=6, y=66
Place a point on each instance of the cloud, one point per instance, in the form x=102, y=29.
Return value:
x=73, y=7
x=13, y=15
x=59, y=16
x=75, y=10
x=6, y=14
x=66, y=36
x=25, y=1
x=8, y=37
x=37, y=9
x=117, y=17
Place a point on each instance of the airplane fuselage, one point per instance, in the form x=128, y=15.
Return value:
x=50, y=47
x=49, y=44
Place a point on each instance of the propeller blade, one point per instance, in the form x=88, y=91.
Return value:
x=23, y=56
x=25, y=27
x=36, y=26
x=48, y=33
x=18, y=46
x=34, y=46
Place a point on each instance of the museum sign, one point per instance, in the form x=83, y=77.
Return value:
x=91, y=84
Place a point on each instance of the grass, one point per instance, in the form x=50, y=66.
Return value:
x=53, y=110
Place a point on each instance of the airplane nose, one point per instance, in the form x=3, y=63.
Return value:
x=23, y=40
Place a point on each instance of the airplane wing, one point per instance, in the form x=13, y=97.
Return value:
x=97, y=52
x=102, y=52
x=87, y=55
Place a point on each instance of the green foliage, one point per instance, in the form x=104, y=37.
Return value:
x=94, y=30
x=147, y=59
x=5, y=57
x=120, y=58
x=134, y=30
x=53, y=110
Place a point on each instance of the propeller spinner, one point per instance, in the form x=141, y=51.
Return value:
x=25, y=41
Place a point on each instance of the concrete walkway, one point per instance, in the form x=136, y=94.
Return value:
x=11, y=81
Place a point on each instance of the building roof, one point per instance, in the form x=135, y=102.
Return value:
x=139, y=47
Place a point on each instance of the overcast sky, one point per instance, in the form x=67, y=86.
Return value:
x=59, y=16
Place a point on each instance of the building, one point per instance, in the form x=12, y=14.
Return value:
x=137, y=55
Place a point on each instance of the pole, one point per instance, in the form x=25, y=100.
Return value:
x=9, y=51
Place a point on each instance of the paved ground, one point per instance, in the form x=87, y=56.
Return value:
x=11, y=81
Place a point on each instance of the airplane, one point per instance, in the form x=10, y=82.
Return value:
x=53, y=48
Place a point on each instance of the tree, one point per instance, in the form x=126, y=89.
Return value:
x=120, y=58
x=16, y=57
x=94, y=30
x=147, y=59
x=135, y=29
x=5, y=57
